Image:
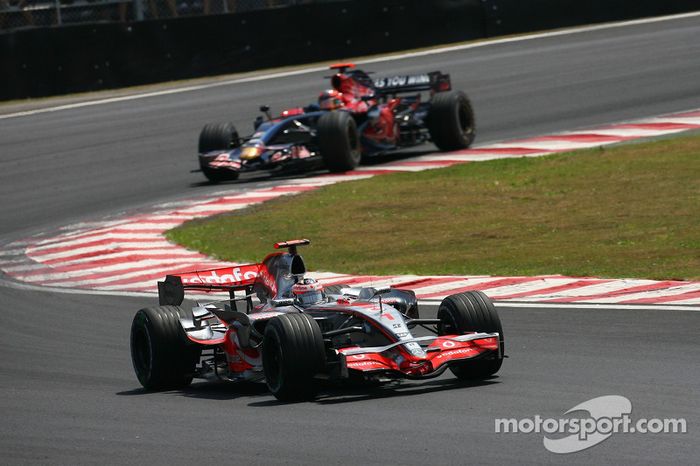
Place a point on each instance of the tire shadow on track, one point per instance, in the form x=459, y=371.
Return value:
x=298, y=174
x=330, y=394
x=220, y=391
x=337, y=395
x=399, y=156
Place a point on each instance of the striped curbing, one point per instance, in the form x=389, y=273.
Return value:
x=128, y=254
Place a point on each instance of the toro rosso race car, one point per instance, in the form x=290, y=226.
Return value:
x=358, y=117
x=300, y=333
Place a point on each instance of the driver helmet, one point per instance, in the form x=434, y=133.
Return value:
x=330, y=99
x=308, y=291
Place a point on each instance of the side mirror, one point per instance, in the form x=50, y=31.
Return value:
x=266, y=110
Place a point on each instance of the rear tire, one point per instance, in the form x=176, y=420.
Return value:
x=339, y=141
x=162, y=356
x=468, y=312
x=451, y=121
x=213, y=137
x=293, y=352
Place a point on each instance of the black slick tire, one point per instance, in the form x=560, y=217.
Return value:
x=162, y=356
x=451, y=121
x=218, y=136
x=293, y=353
x=339, y=141
x=213, y=137
x=467, y=312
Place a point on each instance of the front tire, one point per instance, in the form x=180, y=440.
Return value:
x=468, y=312
x=218, y=136
x=339, y=141
x=162, y=356
x=451, y=121
x=213, y=137
x=293, y=352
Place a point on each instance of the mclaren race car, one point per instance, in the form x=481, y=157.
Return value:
x=300, y=333
x=357, y=117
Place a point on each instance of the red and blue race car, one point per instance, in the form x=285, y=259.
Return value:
x=357, y=117
x=297, y=333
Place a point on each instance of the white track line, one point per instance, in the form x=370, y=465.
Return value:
x=659, y=293
x=591, y=290
x=597, y=307
x=559, y=146
x=138, y=294
x=459, y=282
x=397, y=168
x=89, y=238
x=476, y=157
x=386, y=58
x=530, y=286
x=88, y=267
x=624, y=133
x=129, y=269
x=687, y=301
x=136, y=278
x=12, y=252
x=77, y=251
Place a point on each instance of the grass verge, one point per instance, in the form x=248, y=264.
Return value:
x=627, y=211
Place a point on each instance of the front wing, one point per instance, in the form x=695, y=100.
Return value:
x=436, y=357
x=274, y=158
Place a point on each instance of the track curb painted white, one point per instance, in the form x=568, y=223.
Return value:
x=126, y=255
x=429, y=302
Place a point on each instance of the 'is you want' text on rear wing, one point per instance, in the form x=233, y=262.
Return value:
x=434, y=81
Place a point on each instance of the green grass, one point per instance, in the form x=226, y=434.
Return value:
x=628, y=211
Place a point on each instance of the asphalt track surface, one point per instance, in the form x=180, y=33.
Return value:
x=67, y=390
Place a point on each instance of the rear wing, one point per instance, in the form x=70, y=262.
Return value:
x=434, y=81
x=171, y=291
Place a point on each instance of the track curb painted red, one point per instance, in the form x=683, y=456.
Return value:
x=130, y=253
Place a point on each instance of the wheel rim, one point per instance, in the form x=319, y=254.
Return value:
x=273, y=365
x=465, y=121
x=141, y=354
x=353, y=141
x=448, y=326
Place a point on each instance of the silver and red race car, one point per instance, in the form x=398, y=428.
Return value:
x=300, y=333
